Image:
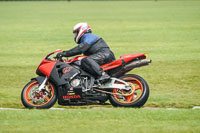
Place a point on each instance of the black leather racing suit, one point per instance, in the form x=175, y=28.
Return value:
x=96, y=49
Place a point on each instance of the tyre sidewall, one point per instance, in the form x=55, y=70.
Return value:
x=141, y=101
x=46, y=106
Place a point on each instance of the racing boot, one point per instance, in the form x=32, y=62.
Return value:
x=103, y=78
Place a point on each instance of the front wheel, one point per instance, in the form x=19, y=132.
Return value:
x=139, y=96
x=31, y=98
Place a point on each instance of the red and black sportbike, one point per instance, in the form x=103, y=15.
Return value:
x=66, y=81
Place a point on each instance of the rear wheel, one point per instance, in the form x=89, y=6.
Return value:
x=31, y=98
x=138, y=95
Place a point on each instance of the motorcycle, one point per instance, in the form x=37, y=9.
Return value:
x=67, y=82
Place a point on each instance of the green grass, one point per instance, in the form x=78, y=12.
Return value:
x=168, y=30
x=101, y=121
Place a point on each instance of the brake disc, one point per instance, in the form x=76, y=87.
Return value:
x=37, y=96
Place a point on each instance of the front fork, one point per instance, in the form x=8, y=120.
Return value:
x=43, y=84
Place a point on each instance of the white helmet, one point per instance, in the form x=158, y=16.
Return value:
x=80, y=29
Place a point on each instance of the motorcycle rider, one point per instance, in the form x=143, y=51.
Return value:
x=94, y=47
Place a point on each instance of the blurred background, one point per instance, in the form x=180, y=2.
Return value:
x=168, y=30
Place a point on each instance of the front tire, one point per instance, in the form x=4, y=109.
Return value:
x=137, y=99
x=40, y=100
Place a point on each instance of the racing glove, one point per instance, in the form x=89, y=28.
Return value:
x=59, y=55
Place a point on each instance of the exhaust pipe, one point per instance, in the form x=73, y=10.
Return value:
x=138, y=63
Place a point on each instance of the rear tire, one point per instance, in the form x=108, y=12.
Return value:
x=42, y=100
x=134, y=100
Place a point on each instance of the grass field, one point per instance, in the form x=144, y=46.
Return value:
x=168, y=30
x=101, y=121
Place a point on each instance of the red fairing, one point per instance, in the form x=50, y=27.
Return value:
x=130, y=57
x=46, y=67
x=115, y=63
x=119, y=62
x=112, y=65
x=75, y=59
